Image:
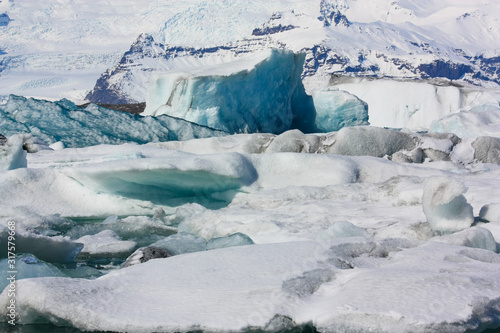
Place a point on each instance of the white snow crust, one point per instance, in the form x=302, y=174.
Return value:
x=340, y=242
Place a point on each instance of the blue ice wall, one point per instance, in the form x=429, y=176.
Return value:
x=336, y=109
x=262, y=92
x=78, y=127
x=255, y=97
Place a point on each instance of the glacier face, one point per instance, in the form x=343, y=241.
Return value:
x=77, y=127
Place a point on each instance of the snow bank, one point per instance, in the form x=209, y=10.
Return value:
x=445, y=206
x=76, y=127
x=250, y=94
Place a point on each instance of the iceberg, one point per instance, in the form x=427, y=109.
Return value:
x=490, y=212
x=445, y=206
x=27, y=266
x=12, y=155
x=174, y=176
x=106, y=243
x=487, y=149
x=475, y=237
x=249, y=94
x=237, y=239
x=50, y=249
x=342, y=229
x=63, y=121
x=421, y=104
x=336, y=109
x=480, y=121
x=181, y=243
x=369, y=141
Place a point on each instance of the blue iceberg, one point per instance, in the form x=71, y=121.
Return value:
x=77, y=127
x=336, y=109
x=250, y=94
x=262, y=92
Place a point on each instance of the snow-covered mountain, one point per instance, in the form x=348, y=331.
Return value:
x=454, y=40
x=56, y=47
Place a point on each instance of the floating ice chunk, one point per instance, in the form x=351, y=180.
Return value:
x=370, y=141
x=336, y=109
x=181, y=243
x=105, y=243
x=141, y=229
x=174, y=177
x=470, y=124
x=444, y=205
x=255, y=143
x=33, y=144
x=57, y=145
x=237, y=239
x=475, y=237
x=487, y=149
x=51, y=249
x=110, y=219
x=81, y=271
x=294, y=141
x=12, y=155
x=144, y=254
x=27, y=266
x=346, y=229
x=416, y=104
x=250, y=94
x=490, y=212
